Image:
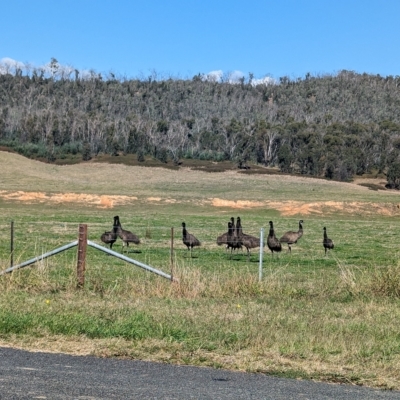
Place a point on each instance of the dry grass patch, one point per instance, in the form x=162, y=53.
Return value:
x=183, y=185
x=280, y=326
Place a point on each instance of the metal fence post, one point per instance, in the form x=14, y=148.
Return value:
x=260, y=266
x=172, y=254
x=12, y=245
x=82, y=244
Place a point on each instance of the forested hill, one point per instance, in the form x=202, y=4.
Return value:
x=333, y=125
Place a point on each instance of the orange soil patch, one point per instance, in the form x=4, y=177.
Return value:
x=101, y=201
x=236, y=204
x=286, y=208
x=290, y=208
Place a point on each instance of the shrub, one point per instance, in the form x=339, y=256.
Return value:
x=385, y=281
x=86, y=152
x=140, y=156
x=162, y=155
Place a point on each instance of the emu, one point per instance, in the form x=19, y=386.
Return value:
x=223, y=239
x=235, y=242
x=126, y=236
x=188, y=239
x=328, y=243
x=229, y=238
x=248, y=241
x=109, y=237
x=272, y=242
x=292, y=237
x=232, y=239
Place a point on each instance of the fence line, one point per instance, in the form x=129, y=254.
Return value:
x=39, y=258
x=162, y=237
x=92, y=244
x=129, y=260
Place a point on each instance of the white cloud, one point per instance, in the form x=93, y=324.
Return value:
x=235, y=77
x=55, y=69
x=267, y=80
x=86, y=74
x=220, y=76
x=11, y=62
x=9, y=65
x=214, y=76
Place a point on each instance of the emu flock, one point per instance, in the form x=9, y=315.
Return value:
x=110, y=237
x=233, y=239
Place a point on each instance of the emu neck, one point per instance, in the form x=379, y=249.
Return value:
x=271, y=232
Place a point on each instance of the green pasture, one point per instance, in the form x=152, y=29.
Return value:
x=359, y=243
x=312, y=316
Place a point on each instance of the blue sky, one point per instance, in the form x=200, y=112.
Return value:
x=181, y=38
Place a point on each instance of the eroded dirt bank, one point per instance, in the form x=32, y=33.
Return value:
x=286, y=208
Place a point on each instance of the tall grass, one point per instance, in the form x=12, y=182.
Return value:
x=341, y=327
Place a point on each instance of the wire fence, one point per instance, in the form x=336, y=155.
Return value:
x=39, y=234
x=159, y=245
x=357, y=242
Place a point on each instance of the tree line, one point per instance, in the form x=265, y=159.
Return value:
x=334, y=126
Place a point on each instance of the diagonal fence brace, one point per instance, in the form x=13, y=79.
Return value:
x=96, y=246
x=129, y=260
x=41, y=257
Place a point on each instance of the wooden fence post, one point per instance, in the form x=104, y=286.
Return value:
x=82, y=244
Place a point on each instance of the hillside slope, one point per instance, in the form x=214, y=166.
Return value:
x=107, y=186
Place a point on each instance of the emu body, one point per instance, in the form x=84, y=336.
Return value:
x=328, y=243
x=188, y=239
x=291, y=237
x=272, y=242
x=126, y=236
x=248, y=241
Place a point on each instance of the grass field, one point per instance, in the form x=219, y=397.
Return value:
x=332, y=318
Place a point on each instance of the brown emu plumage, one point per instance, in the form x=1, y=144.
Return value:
x=110, y=237
x=248, y=241
x=223, y=239
x=291, y=237
x=328, y=243
x=272, y=242
x=126, y=236
x=188, y=239
x=233, y=242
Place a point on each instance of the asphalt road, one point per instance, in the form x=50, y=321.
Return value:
x=26, y=375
